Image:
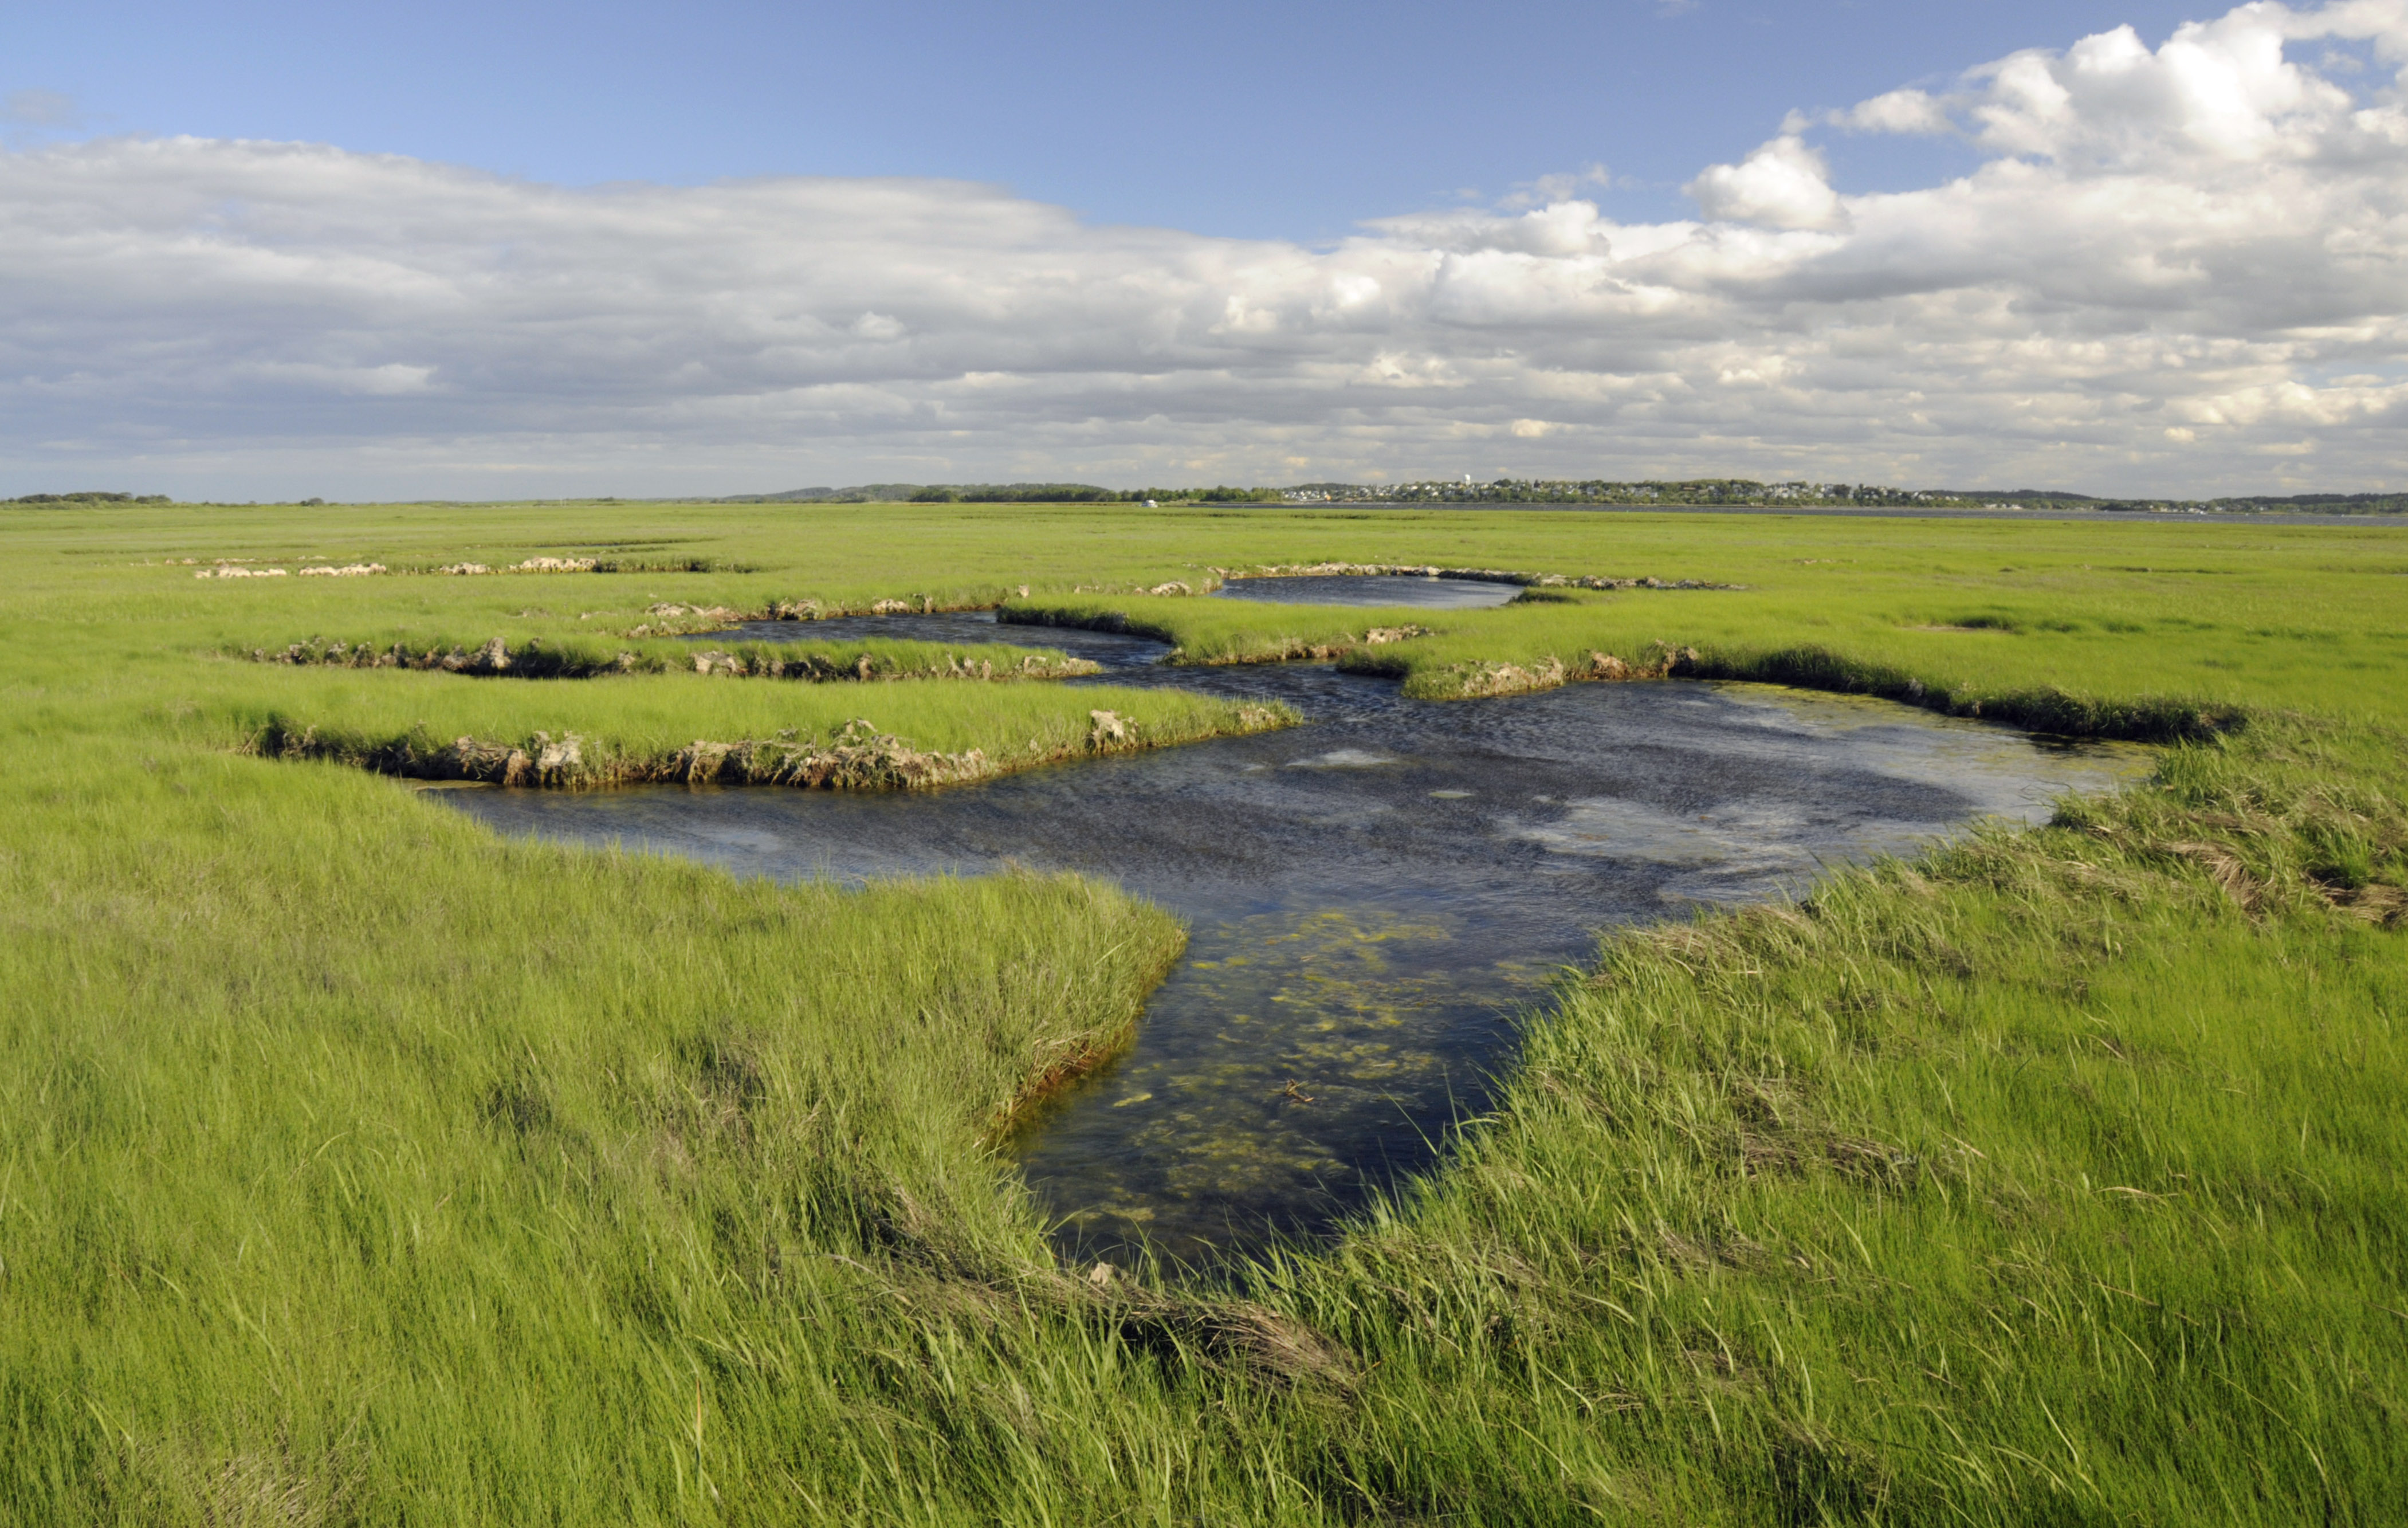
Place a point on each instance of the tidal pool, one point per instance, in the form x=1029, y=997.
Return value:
x=1374, y=897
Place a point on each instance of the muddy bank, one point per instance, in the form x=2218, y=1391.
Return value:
x=674, y=620
x=573, y=658
x=859, y=758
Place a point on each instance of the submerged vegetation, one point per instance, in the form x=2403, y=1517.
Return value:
x=355, y=1165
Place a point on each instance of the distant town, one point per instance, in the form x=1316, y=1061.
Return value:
x=1694, y=492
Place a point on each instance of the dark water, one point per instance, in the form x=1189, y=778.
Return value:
x=1372, y=896
x=968, y=628
x=1378, y=588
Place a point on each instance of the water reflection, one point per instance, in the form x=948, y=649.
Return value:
x=1426, y=593
x=1370, y=895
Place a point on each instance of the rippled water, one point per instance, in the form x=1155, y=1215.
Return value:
x=1372, y=896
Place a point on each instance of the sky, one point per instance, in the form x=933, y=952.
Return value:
x=258, y=250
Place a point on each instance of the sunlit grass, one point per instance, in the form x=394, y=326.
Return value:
x=357, y=1165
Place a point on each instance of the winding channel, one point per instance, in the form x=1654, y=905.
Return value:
x=1374, y=897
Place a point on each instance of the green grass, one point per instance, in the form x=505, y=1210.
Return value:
x=585, y=657
x=2260, y=622
x=2055, y=1179
x=385, y=1164
x=356, y=1166
x=643, y=726
x=1222, y=630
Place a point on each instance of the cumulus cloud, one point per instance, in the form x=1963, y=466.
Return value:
x=1897, y=111
x=1783, y=184
x=2181, y=269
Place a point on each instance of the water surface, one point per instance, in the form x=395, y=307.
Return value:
x=1373, y=896
x=1426, y=593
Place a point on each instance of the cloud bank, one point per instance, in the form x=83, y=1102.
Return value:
x=2181, y=270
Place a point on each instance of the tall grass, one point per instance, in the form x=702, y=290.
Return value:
x=334, y=1193
x=358, y=1165
x=2053, y=1178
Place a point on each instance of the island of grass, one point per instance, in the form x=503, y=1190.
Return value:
x=356, y=1165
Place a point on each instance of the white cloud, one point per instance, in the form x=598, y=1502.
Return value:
x=1783, y=184
x=1899, y=111
x=2181, y=270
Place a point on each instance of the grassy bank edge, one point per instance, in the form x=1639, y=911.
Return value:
x=584, y=658
x=2062, y=713
x=857, y=757
x=1361, y=646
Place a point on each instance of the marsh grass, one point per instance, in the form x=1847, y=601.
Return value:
x=457, y=1191
x=581, y=657
x=1215, y=631
x=636, y=728
x=356, y=1165
x=1550, y=637
x=2049, y=1177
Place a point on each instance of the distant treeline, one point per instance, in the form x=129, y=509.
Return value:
x=91, y=498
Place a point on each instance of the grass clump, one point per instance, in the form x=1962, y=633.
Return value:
x=1207, y=630
x=640, y=728
x=587, y=658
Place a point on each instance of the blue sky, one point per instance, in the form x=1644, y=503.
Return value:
x=1240, y=118
x=252, y=250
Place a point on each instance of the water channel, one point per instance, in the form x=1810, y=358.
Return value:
x=1374, y=897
